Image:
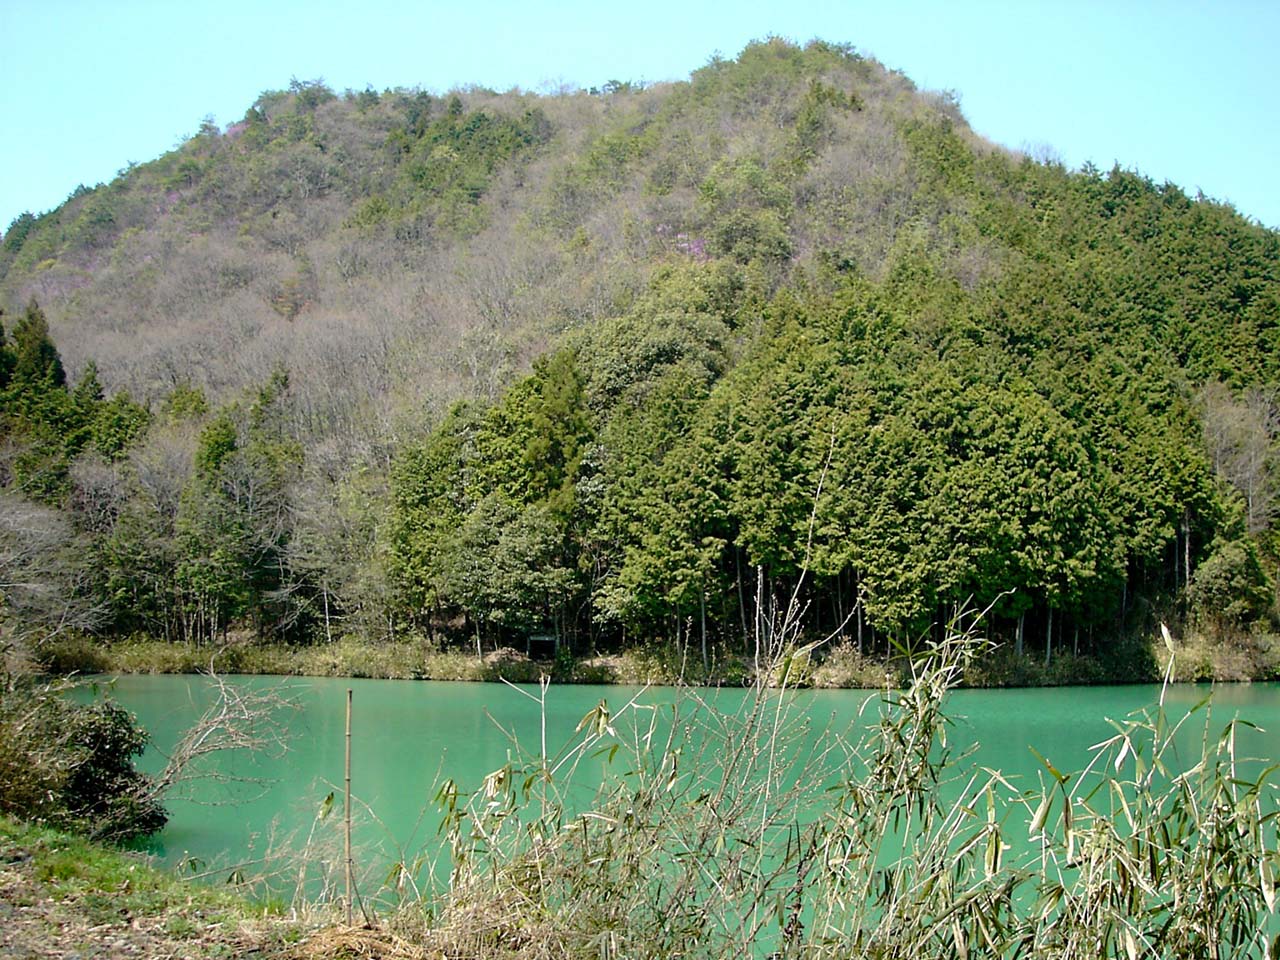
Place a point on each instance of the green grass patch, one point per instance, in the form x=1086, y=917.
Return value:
x=109, y=883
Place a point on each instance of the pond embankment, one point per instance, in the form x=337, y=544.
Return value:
x=834, y=666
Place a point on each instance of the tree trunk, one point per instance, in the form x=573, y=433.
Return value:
x=1048, y=638
x=759, y=612
x=836, y=607
x=1022, y=623
x=1186, y=550
x=706, y=663
x=328, y=634
x=857, y=589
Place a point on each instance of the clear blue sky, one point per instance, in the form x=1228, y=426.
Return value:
x=1177, y=90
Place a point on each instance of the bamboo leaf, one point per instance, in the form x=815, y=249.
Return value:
x=1053, y=771
x=1124, y=752
x=991, y=861
x=1041, y=815
x=1124, y=803
x=961, y=941
x=590, y=718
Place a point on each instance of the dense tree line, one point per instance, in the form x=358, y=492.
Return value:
x=882, y=441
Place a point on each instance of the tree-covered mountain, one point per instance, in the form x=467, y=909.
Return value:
x=639, y=364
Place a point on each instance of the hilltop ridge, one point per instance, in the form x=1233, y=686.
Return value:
x=321, y=227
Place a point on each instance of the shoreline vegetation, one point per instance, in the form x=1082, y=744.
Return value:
x=837, y=665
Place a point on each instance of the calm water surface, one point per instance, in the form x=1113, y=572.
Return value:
x=409, y=734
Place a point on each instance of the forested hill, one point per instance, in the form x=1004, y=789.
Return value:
x=627, y=365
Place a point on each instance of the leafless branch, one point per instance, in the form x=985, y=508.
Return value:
x=241, y=718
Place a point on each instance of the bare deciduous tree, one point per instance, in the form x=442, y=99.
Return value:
x=43, y=579
x=1240, y=433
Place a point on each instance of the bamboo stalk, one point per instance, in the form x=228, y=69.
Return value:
x=347, y=809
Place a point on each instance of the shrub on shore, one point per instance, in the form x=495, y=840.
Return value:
x=70, y=765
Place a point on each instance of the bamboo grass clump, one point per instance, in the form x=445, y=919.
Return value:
x=739, y=834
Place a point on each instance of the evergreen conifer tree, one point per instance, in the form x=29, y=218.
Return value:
x=36, y=360
x=6, y=357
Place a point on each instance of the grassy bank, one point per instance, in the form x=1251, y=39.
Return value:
x=61, y=895
x=410, y=660
x=841, y=666
x=1200, y=658
x=64, y=896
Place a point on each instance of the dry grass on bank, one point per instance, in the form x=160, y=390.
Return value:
x=1238, y=656
x=1201, y=657
x=407, y=660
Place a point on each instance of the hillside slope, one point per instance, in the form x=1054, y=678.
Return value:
x=403, y=237
x=793, y=330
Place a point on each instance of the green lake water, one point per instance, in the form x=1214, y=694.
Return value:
x=409, y=734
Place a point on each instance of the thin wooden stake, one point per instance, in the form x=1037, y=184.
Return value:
x=347, y=808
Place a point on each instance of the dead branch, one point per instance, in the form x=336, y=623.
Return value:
x=240, y=719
